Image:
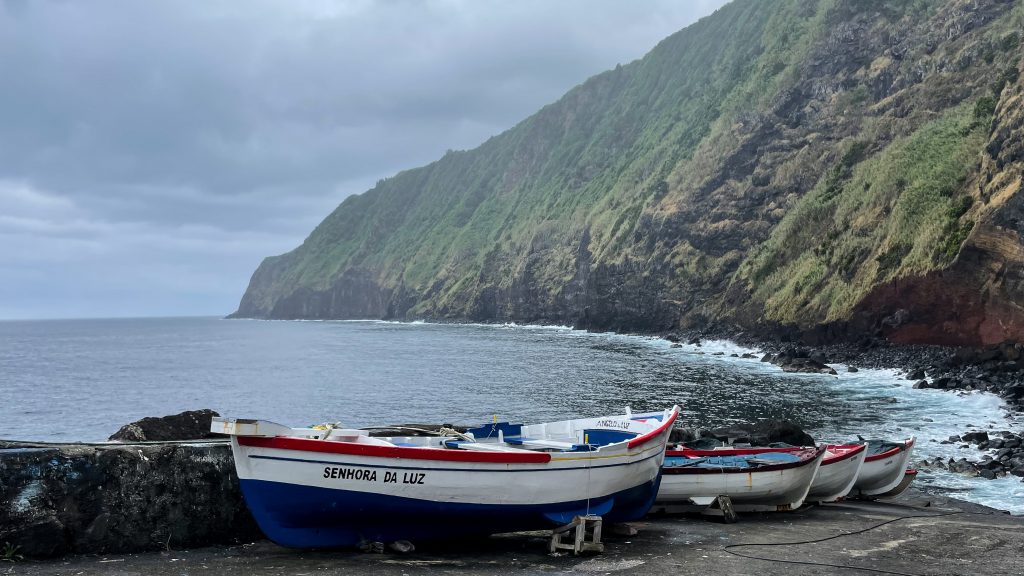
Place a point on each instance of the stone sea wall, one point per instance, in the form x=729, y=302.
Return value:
x=96, y=498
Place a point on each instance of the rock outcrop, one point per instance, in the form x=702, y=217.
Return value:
x=188, y=425
x=58, y=499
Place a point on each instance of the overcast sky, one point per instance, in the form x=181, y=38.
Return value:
x=152, y=153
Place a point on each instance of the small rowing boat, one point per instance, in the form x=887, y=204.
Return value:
x=838, y=472
x=320, y=488
x=884, y=468
x=834, y=479
x=755, y=481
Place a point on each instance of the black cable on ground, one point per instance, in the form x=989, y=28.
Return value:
x=728, y=548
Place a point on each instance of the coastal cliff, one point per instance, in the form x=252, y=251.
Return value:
x=839, y=167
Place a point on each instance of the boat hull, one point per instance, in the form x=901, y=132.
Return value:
x=908, y=479
x=781, y=488
x=312, y=517
x=883, y=473
x=317, y=494
x=837, y=475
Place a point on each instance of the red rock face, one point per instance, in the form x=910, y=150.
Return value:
x=979, y=299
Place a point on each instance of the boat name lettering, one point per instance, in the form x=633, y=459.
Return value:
x=371, y=475
x=350, y=474
x=613, y=424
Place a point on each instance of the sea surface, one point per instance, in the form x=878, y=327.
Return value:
x=80, y=380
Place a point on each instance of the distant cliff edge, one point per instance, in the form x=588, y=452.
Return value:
x=840, y=167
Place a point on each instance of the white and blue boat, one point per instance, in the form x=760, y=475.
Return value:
x=321, y=488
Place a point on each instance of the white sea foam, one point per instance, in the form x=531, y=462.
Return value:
x=932, y=416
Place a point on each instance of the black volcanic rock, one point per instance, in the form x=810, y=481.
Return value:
x=763, y=433
x=188, y=425
x=120, y=498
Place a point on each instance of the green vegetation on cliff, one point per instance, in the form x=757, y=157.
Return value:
x=776, y=161
x=894, y=214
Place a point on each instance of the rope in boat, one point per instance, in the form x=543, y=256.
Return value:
x=589, y=462
x=327, y=427
x=443, y=431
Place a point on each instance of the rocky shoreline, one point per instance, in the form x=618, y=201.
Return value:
x=997, y=369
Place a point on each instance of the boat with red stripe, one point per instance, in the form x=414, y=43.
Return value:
x=755, y=481
x=884, y=470
x=833, y=481
x=333, y=487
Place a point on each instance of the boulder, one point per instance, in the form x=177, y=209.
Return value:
x=189, y=425
x=679, y=435
x=975, y=437
x=916, y=375
x=402, y=546
x=763, y=433
x=95, y=499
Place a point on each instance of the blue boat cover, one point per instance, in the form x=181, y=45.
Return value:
x=740, y=461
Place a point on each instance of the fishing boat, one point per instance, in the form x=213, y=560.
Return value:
x=884, y=468
x=838, y=473
x=835, y=477
x=333, y=487
x=759, y=481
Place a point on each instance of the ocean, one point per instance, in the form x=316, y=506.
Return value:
x=80, y=380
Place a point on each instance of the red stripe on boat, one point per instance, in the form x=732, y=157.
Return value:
x=448, y=455
x=847, y=453
x=842, y=452
x=641, y=440
x=733, y=451
x=806, y=455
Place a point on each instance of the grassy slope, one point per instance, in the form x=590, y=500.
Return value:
x=592, y=161
x=894, y=214
x=644, y=139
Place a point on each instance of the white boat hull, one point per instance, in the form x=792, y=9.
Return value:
x=881, y=475
x=835, y=479
x=749, y=491
x=313, y=493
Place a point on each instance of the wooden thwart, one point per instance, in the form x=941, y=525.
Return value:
x=577, y=530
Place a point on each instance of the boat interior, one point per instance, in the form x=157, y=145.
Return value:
x=582, y=435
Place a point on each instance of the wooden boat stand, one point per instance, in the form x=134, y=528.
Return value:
x=577, y=530
x=721, y=508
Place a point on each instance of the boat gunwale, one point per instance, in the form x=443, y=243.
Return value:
x=653, y=434
x=905, y=445
x=817, y=453
x=412, y=453
x=849, y=451
x=440, y=454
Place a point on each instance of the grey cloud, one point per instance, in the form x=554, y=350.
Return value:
x=244, y=123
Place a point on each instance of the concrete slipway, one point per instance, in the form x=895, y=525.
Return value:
x=917, y=534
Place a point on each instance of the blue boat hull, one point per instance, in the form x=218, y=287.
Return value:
x=311, y=517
